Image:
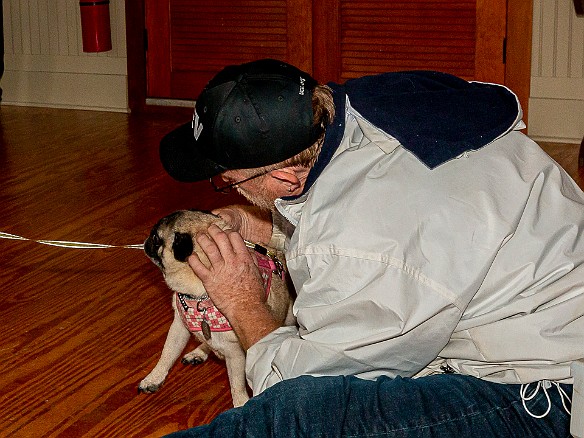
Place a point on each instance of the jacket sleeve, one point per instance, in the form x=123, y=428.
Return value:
x=370, y=316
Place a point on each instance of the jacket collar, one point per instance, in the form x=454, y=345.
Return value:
x=435, y=116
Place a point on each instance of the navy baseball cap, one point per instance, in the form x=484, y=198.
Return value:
x=249, y=115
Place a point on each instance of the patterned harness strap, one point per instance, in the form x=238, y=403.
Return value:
x=202, y=315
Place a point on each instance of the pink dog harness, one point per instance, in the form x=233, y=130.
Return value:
x=200, y=314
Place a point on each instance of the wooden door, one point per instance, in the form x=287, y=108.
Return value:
x=191, y=40
x=359, y=37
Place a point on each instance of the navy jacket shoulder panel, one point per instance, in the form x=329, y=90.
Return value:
x=436, y=116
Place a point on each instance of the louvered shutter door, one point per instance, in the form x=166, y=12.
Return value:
x=360, y=37
x=190, y=41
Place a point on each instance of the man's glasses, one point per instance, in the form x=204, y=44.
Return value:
x=227, y=188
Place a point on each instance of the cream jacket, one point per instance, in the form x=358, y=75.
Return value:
x=399, y=269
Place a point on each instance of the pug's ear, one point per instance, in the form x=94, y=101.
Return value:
x=182, y=247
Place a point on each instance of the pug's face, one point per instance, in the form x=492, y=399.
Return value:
x=172, y=241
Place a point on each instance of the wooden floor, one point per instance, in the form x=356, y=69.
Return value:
x=79, y=328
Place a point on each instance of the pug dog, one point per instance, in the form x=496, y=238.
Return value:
x=171, y=242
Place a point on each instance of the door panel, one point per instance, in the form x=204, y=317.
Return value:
x=189, y=41
x=462, y=37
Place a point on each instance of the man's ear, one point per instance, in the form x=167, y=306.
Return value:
x=288, y=177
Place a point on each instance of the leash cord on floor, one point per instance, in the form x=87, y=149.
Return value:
x=68, y=244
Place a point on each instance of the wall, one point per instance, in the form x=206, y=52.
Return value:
x=45, y=62
x=45, y=65
x=556, y=104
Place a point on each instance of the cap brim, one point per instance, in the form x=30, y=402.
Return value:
x=182, y=159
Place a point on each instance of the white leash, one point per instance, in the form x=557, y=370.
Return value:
x=68, y=244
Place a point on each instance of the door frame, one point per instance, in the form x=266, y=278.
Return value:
x=517, y=66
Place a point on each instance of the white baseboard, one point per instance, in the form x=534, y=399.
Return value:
x=170, y=102
x=102, y=92
x=556, y=120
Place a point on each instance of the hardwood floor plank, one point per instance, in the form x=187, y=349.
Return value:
x=80, y=328
x=566, y=154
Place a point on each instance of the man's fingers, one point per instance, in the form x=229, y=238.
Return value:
x=237, y=242
x=209, y=246
x=198, y=267
x=228, y=242
x=220, y=237
x=221, y=248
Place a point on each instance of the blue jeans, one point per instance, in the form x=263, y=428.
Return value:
x=446, y=405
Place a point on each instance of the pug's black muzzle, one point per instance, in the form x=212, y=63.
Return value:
x=152, y=246
x=182, y=247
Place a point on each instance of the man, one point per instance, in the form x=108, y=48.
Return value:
x=437, y=254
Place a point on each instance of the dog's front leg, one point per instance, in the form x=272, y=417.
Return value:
x=235, y=363
x=175, y=343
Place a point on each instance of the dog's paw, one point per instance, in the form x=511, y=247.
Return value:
x=191, y=360
x=148, y=387
x=195, y=357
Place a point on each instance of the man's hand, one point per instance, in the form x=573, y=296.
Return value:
x=232, y=278
x=253, y=223
x=234, y=283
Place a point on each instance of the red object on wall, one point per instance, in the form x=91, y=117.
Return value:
x=95, y=26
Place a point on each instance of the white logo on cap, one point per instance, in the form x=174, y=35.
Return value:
x=197, y=126
x=302, y=81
